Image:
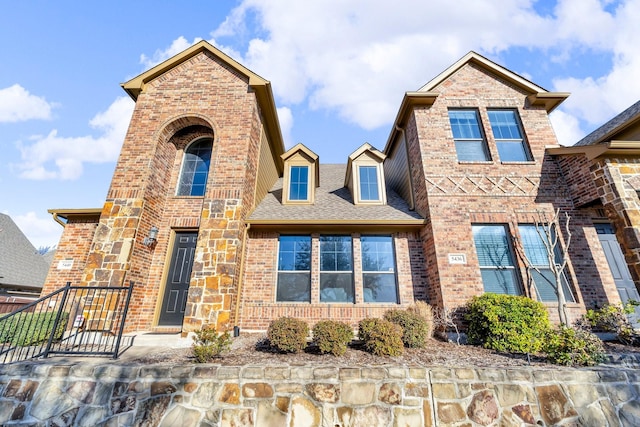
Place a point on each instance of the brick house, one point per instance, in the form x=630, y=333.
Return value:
x=218, y=224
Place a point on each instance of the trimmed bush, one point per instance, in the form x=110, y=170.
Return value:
x=507, y=323
x=573, y=347
x=611, y=318
x=27, y=329
x=425, y=311
x=415, y=329
x=381, y=337
x=209, y=344
x=332, y=337
x=288, y=335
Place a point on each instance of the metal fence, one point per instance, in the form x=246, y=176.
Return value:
x=74, y=320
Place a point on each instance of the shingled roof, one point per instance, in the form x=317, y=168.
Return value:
x=613, y=126
x=21, y=267
x=333, y=205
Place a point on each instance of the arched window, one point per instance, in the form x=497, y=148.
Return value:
x=195, y=168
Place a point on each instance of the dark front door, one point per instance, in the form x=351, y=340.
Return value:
x=618, y=266
x=177, y=286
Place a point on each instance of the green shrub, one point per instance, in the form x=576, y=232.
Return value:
x=611, y=318
x=425, y=311
x=332, y=337
x=508, y=323
x=288, y=335
x=381, y=337
x=26, y=329
x=209, y=344
x=415, y=329
x=573, y=347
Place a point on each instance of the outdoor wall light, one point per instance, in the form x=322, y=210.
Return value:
x=152, y=237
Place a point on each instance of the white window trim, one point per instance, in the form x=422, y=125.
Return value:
x=306, y=199
x=382, y=196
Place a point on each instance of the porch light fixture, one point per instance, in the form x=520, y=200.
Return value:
x=152, y=237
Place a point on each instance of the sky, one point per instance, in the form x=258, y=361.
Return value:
x=338, y=68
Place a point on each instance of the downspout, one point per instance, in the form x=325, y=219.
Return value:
x=236, y=328
x=412, y=203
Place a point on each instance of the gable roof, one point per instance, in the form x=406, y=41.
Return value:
x=426, y=96
x=629, y=117
x=333, y=209
x=299, y=147
x=364, y=148
x=539, y=96
x=21, y=267
x=260, y=86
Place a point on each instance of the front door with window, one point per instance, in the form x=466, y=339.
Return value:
x=618, y=266
x=177, y=286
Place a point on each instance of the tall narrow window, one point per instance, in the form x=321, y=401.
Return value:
x=369, y=183
x=378, y=269
x=467, y=135
x=496, y=259
x=508, y=135
x=299, y=183
x=336, y=269
x=537, y=254
x=294, y=269
x=195, y=168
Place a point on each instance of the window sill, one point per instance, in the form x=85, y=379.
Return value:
x=524, y=162
x=475, y=162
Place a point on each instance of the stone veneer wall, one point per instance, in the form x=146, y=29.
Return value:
x=117, y=394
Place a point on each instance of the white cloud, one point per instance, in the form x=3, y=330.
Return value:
x=596, y=99
x=18, y=105
x=566, y=127
x=286, y=123
x=358, y=60
x=58, y=157
x=41, y=232
x=177, y=46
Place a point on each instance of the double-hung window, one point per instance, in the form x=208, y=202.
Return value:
x=368, y=183
x=299, y=183
x=378, y=269
x=467, y=135
x=538, y=256
x=336, y=269
x=507, y=133
x=496, y=259
x=294, y=269
x=195, y=168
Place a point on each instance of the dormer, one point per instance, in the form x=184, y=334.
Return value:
x=365, y=176
x=301, y=176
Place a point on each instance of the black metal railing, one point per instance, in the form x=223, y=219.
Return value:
x=74, y=320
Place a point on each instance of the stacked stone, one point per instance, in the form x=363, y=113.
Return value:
x=48, y=394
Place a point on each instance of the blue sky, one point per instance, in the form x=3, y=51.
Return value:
x=338, y=68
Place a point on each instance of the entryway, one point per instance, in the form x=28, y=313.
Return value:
x=619, y=269
x=177, y=284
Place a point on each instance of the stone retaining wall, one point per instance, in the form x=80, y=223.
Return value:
x=113, y=394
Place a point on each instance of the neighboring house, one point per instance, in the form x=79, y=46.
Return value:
x=217, y=224
x=22, y=269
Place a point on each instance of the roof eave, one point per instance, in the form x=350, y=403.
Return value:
x=611, y=148
x=307, y=226
x=548, y=100
x=83, y=214
x=409, y=102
